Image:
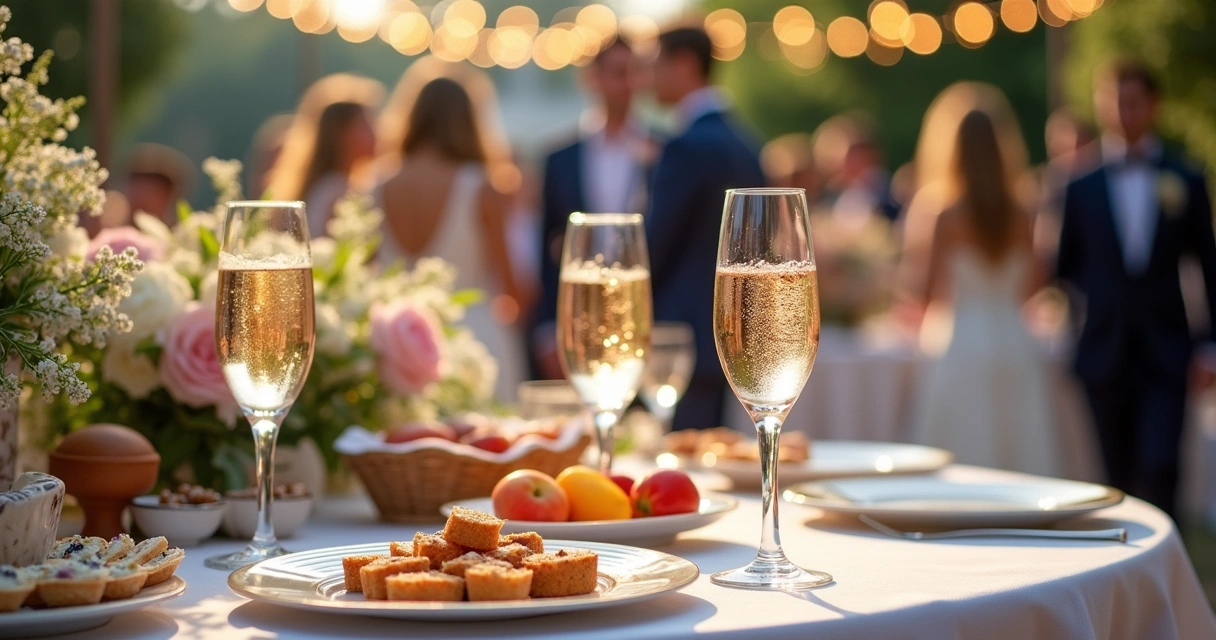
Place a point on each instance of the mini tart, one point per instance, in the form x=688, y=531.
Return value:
x=144, y=552
x=119, y=546
x=161, y=568
x=77, y=548
x=15, y=586
x=350, y=570
x=565, y=573
x=473, y=529
x=72, y=584
x=126, y=579
x=430, y=586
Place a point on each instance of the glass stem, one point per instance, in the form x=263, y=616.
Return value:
x=605, y=424
x=768, y=430
x=265, y=433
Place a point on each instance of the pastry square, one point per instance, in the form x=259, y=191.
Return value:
x=373, y=575
x=433, y=546
x=458, y=566
x=489, y=582
x=529, y=539
x=401, y=548
x=569, y=572
x=351, y=566
x=513, y=553
x=473, y=529
x=431, y=586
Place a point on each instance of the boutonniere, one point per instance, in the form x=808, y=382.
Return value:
x=1171, y=193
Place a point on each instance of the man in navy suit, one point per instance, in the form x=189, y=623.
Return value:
x=1125, y=227
x=603, y=171
x=696, y=167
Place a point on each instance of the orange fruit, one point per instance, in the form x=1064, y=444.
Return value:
x=593, y=496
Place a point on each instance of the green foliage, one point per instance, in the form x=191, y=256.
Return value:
x=776, y=99
x=150, y=32
x=1175, y=38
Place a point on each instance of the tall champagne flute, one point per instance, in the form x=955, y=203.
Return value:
x=264, y=336
x=766, y=326
x=604, y=316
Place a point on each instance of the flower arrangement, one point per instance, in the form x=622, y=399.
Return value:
x=54, y=296
x=855, y=259
x=388, y=346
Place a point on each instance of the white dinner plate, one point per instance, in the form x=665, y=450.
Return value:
x=829, y=459
x=312, y=580
x=943, y=503
x=45, y=622
x=653, y=531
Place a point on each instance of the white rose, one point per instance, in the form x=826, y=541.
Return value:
x=132, y=372
x=471, y=363
x=72, y=241
x=322, y=250
x=208, y=289
x=333, y=335
x=158, y=293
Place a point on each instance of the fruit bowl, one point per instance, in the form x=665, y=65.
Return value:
x=409, y=481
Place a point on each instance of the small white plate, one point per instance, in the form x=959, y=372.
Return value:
x=45, y=622
x=312, y=580
x=942, y=503
x=829, y=459
x=653, y=531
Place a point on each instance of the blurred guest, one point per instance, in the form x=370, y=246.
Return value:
x=603, y=171
x=441, y=200
x=331, y=141
x=1126, y=226
x=711, y=154
x=264, y=152
x=157, y=177
x=789, y=162
x=848, y=154
x=985, y=395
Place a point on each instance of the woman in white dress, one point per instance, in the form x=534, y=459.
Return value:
x=984, y=391
x=439, y=200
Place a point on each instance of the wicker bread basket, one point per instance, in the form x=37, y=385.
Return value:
x=412, y=486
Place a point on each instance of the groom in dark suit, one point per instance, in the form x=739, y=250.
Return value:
x=1125, y=227
x=711, y=154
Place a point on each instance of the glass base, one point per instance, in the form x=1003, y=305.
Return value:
x=778, y=575
x=249, y=555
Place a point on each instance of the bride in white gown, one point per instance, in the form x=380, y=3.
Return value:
x=984, y=391
x=439, y=201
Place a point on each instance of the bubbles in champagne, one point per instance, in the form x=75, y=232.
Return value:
x=766, y=324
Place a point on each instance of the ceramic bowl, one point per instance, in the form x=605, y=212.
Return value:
x=183, y=525
x=288, y=514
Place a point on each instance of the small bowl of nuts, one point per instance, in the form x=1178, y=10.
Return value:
x=186, y=515
x=292, y=506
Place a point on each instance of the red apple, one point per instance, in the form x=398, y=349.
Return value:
x=418, y=430
x=530, y=495
x=493, y=443
x=665, y=492
x=624, y=482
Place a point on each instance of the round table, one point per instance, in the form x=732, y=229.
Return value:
x=974, y=588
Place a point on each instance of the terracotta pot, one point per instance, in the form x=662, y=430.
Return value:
x=104, y=466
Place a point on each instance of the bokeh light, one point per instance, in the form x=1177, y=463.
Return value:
x=510, y=47
x=1019, y=15
x=973, y=23
x=794, y=26
x=809, y=54
x=1083, y=8
x=728, y=31
x=312, y=16
x=641, y=32
x=283, y=9
x=848, y=37
x=883, y=55
x=245, y=5
x=410, y=33
x=521, y=17
x=553, y=49
x=481, y=53
x=888, y=21
x=1054, y=12
x=464, y=19
x=924, y=36
x=453, y=45
x=598, y=19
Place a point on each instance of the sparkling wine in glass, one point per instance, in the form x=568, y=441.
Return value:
x=604, y=316
x=264, y=336
x=766, y=326
x=669, y=367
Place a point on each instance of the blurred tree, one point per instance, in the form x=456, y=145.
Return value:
x=778, y=98
x=1177, y=39
x=150, y=33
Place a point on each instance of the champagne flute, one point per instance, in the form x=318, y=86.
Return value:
x=604, y=316
x=264, y=336
x=766, y=326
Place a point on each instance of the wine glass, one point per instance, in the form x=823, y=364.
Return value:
x=604, y=316
x=766, y=326
x=669, y=366
x=264, y=336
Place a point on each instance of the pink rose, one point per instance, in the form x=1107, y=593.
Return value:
x=407, y=339
x=119, y=238
x=189, y=366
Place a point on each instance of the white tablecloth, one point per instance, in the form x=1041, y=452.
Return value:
x=885, y=588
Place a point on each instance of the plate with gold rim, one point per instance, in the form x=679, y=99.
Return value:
x=313, y=581
x=45, y=622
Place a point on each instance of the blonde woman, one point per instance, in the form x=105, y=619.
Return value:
x=984, y=393
x=447, y=192
x=329, y=146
